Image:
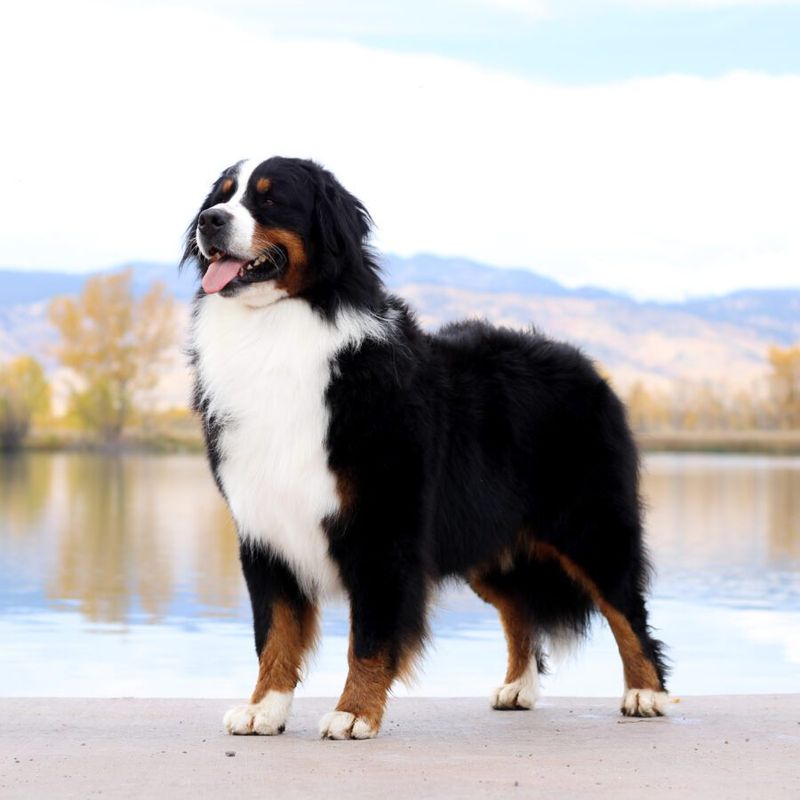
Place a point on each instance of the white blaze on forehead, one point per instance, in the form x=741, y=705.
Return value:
x=242, y=225
x=243, y=172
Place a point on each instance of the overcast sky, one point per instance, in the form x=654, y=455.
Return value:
x=647, y=146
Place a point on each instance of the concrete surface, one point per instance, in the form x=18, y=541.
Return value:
x=709, y=747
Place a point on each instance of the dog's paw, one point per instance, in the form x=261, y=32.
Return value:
x=644, y=703
x=344, y=725
x=519, y=694
x=267, y=718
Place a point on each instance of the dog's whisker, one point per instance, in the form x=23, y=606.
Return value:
x=276, y=255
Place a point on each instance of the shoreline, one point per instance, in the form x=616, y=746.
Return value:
x=780, y=443
x=735, y=746
x=756, y=442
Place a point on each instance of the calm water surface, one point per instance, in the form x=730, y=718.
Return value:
x=120, y=576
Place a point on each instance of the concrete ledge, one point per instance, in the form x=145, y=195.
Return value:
x=726, y=747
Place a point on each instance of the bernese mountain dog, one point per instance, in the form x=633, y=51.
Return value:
x=360, y=454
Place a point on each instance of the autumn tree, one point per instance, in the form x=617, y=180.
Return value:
x=114, y=342
x=24, y=392
x=647, y=411
x=784, y=380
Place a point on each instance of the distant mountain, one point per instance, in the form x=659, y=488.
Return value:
x=722, y=340
x=22, y=286
x=774, y=312
x=462, y=273
x=465, y=274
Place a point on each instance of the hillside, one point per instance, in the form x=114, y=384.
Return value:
x=722, y=340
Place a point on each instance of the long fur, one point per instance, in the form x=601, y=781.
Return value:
x=360, y=453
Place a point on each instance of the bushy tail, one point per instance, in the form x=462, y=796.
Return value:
x=561, y=610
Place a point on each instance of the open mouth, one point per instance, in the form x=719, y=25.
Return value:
x=224, y=269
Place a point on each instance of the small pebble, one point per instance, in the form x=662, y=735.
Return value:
x=230, y=753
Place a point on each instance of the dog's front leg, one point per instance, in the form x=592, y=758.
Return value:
x=285, y=625
x=359, y=711
x=386, y=634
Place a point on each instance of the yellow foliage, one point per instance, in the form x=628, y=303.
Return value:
x=785, y=385
x=114, y=342
x=647, y=411
x=24, y=392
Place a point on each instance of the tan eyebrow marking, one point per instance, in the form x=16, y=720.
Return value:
x=227, y=184
x=263, y=184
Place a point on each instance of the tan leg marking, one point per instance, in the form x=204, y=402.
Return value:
x=359, y=712
x=520, y=689
x=368, y=682
x=292, y=634
x=639, y=670
x=518, y=630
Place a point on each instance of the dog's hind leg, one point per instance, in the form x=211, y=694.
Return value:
x=285, y=624
x=508, y=593
x=617, y=591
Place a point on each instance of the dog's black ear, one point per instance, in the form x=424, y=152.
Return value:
x=341, y=223
x=191, y=252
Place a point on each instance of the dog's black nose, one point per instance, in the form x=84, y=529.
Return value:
x=213, y=219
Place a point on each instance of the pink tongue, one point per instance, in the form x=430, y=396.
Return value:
x=220, y=273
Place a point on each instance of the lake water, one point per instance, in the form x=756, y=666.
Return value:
x=120, y=576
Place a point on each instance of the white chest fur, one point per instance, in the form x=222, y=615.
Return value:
x=265, y=372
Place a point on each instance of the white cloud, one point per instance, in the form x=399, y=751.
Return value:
x=680, y=5
x=546, y=9
x=534, y=9
x=117, y=121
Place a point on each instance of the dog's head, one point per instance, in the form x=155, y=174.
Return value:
x=284, y=227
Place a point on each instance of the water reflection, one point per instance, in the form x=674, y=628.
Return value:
x=784, y=516
x=24, y=494
x=109, y=549
x=137, y=545
x=726, y=529
x=120, y=537
x=707, y=511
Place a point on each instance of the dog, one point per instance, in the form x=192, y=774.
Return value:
x=360, y=454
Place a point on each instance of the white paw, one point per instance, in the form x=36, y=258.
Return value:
x=521, y=693
x=266, y=718
x=644, y=703
x=344, y=725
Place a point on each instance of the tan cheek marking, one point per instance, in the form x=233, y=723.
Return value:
x=639, y=670
x=517, y=627
x=292, y=633
x=294, y=279
x=263, y=184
